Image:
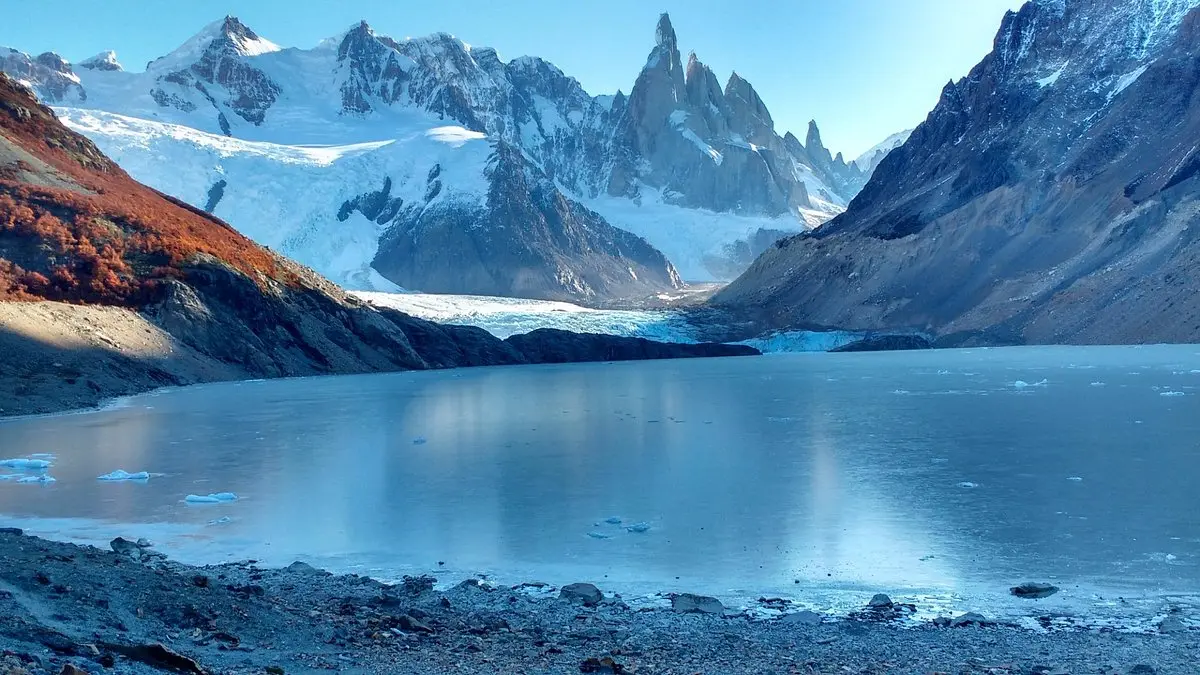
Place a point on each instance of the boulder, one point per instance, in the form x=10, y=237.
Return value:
x=970, y=619
x=1034, y=590
x=586, y=594
x=806, y=618
x=880, y=601
x=687, y=603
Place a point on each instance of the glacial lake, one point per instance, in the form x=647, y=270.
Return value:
x=941, y=478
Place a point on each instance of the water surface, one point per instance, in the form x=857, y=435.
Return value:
x=943, y=477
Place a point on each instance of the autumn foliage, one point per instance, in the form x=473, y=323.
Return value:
x=79, y=229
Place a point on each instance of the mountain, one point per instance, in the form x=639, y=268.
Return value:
x=133, y=289
x=490, y=176
x=1049, y=197
x=869, y=160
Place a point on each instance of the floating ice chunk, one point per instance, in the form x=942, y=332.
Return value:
x=1074, y=478
x=121, y=474
x=43, y=455
x=639, y=528
x=27, y=463
x=214, y=498
x=598, y=535
x=1097, y=384
x=420, y=440
x=613, y=520
x=1172, y=393
x=36, y=479
x=901, y=392
x=10, y=476
x=221, y=521
x=1021, y=384
x=968, y=484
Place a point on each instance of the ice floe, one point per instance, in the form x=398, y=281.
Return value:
x=1172, y=393
x=638, y=528
x=968, y=484
x=213, y=498
x=121, y=474
x=27, y=463
x=1022, y=384
x=37, y=479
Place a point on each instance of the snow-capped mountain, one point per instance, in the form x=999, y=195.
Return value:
x=430, y=164
x=1051, y=195
x=869, y=160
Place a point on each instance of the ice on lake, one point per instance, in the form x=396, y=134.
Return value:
x=807, y=467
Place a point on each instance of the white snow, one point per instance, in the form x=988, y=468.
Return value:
x=871, y=158
x=122, y=475
x=1052, y=77
x=688, y=237
x=679, y=122
x=1126, y=80
x=287, y=196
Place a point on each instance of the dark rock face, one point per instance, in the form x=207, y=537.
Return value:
x=549, y=345
x=887, y=343
x=538, y=244
x=1048, y=198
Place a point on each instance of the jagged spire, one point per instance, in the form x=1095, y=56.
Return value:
x=813, y=140
x=664, y=34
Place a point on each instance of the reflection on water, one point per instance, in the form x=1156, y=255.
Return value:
x=843, y=473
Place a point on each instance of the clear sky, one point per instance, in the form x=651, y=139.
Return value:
x=862, y=68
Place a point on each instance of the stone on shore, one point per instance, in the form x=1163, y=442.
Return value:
x=1034, y=590
x=880, y=601
x=688, y=603
x=586, y=594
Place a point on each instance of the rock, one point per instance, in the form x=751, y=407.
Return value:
x=886, y=343
x=806, y=618
x=587, y=594
x=122, y=546
x=1171, y=624
x=942, y=621
x=15, y=531
x=411, y=625
x=1142, y=669
x=687, y=603
x=144, y=543
x=1033, y=590
x=274, y=670
x=302, y=568
x=604, y=664
x=157, y=655
x=880, y=601
x=72, y=669
x=200, y=581
x=550, y=345
x=970, y=619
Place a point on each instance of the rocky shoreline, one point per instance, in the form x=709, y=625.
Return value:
x=69, y=609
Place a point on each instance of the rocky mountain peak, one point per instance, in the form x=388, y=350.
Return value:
x=102, y=61
x=812, y=143
x=54, y=62
x=664, y=33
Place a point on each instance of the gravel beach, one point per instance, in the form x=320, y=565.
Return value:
x=68, y=609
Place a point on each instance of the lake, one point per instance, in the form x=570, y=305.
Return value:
x=939, y=477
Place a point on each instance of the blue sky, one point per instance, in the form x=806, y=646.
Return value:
x=862, y=68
